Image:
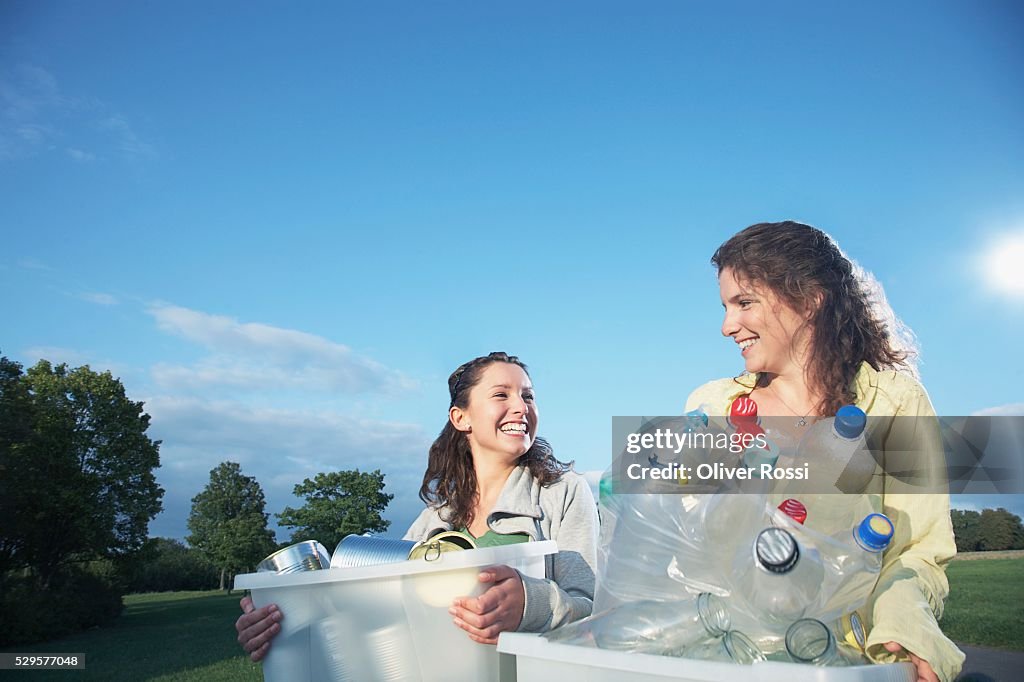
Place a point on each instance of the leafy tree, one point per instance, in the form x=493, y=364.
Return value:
x=76, y=469
x=228, y=524
x=965, y=529
x=167, y=565
x=999, y=529
x=338, y=504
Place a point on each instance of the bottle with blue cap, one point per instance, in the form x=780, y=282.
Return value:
x=837, y=453
x=842, y=472
x=857, y=570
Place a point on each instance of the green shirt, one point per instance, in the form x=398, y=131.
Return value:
x=492, y=539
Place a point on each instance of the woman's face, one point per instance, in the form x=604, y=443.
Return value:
x=770, y=334
x=500, y=418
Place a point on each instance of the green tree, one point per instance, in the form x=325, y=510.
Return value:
x=965, y=529
x=227, y=522
x=76, y=469
x=999, y=529
x=338, y=504
x=167, y=565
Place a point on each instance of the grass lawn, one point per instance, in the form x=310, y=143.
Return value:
x=984, y=605
x=165, y=636
x=189, y=635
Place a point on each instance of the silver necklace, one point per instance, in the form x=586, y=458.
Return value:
x=803, y=420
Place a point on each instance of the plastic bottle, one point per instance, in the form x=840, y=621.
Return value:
x=811, y=641
x=634, y=565
x=756, y=454
x=837, y=453
x=695, y=424
x=857, y=571
x=608, y=507
x=652, y=627
x=742, y=411
x=779, y=580
x=794, y=509
x=849, y=630
x=733, y=646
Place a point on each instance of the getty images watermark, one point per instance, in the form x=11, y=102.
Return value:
x=924, y=455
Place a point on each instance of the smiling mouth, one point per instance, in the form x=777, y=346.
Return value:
x=514, y=429
x=747, y=343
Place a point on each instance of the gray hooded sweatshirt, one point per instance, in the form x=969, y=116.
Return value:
x=563, y=511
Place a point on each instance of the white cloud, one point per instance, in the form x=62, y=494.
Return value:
x=36, y=117
x=1000, y=264
x=254, y=355
x=56, y=355
x=1008, y=410
x=98, y=298
x=75, y=358
x=280, y=448
x=80, y=156
x=126, y=139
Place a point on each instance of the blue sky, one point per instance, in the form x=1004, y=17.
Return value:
x=283, y=226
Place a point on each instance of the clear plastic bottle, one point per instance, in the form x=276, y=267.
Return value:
x=857, y=571
x=794, y=509
x=733, y=647
x=837, y=452
x=742, y=411
x=693, y=430
x=757, y=454
x=634, y=565
x=781, y=579
x=653, y=627
x=811, y=641
x=849, y=630
x=608, y=507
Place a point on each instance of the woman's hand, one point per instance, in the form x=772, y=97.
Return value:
x=256, y=627
x=499, y=609
x=924, y=669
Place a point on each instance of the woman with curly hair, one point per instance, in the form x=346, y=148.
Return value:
x=815, y=333
x=489, y=474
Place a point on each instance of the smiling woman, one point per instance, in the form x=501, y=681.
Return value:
x=489, y=474
x=813, y=337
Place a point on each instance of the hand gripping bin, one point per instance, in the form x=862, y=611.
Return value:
x=386, y=623
x=538, y=660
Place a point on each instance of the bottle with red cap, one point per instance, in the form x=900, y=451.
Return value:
x=794, y=509
x=743, y=412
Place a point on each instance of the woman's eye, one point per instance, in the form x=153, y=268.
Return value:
x=527, y=396
x=745, y=303
x=500, y=395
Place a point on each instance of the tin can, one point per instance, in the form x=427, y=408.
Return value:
x=439, y=543
x=303, y=556
x=368, y=550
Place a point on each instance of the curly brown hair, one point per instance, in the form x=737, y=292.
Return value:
x=450, y=479
x=803, y=267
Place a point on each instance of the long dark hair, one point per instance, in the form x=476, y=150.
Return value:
x=450, y=479
x=802, y=265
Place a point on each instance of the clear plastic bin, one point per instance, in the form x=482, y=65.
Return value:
x=538, y=660
x=386, y=623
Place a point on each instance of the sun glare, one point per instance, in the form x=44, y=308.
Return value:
x=1004, y=264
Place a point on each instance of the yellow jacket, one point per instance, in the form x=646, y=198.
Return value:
x=908, y=598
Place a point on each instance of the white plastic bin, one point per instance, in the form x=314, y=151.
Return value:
x=387, y=623
x=538, y=660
